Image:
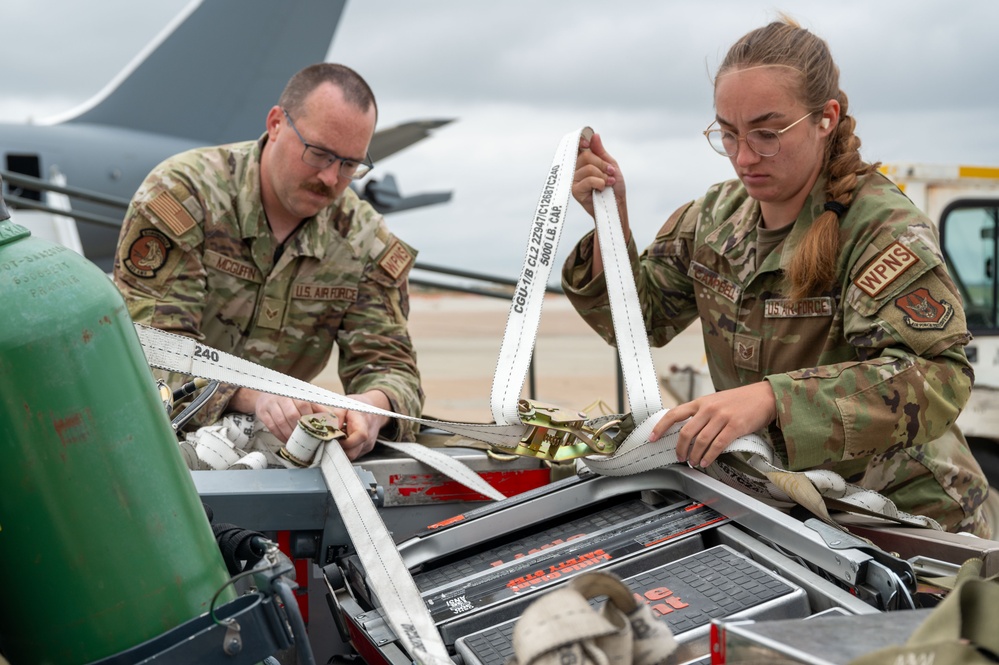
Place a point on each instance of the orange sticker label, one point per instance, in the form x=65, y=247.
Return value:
x=556, y=571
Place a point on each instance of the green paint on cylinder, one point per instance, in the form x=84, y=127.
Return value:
x=104, y=540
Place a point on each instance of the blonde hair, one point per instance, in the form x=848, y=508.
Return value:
x=785, y=43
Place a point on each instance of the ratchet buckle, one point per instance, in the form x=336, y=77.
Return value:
x=556, y=434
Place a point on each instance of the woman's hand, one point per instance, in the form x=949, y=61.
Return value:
x=718, y=419
x=595, y=170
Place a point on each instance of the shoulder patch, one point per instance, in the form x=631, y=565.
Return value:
x=674, y=220
x=169, y=211
x=885, y=269
x=396, y=259
x=148, y=253
x=923, y=311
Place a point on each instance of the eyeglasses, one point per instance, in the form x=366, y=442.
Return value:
x=764, y=142
x=321, y=158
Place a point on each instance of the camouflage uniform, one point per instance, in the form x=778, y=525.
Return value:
x=869, y=376
x=197, y=257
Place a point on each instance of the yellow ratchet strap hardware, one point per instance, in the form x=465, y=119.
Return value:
x=558, y=434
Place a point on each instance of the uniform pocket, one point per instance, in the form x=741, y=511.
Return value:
x=231, y=301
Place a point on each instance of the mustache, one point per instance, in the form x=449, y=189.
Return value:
x=318, y=188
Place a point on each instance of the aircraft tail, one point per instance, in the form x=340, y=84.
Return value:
x=213, y=73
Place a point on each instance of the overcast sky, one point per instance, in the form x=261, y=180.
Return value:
x=519, y=74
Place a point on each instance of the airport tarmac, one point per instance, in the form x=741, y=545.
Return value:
x=458, y=337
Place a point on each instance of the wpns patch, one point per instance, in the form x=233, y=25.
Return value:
x=148, y=253
x=923, y=311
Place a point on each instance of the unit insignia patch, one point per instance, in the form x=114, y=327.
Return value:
x=923, y=311
x=148, y=253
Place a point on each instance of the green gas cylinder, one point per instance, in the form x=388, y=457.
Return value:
x=103, y=538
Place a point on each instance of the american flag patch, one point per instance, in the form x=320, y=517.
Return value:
x=171, y=213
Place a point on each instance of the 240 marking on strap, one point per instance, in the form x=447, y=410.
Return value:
x=206, y=352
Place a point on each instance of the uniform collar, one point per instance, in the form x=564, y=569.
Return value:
x=809, y=212
x=249, y=207
x=737, y=236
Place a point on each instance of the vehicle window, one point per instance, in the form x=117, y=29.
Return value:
x=968, y=233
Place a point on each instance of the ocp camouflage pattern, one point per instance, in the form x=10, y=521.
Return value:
x=869, y=376
x=197, y=257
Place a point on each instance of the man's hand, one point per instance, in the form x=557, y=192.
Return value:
x=280, y=415
x=717, y=420
x=362, y=428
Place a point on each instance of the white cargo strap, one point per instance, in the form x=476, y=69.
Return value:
x=177, y=353
x=402, y=605
x=640, y=380
x=447, y=465
x=525, y=309
x=401, y=601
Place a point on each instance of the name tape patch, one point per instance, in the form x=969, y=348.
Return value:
x=715, y=282
x=232, y=266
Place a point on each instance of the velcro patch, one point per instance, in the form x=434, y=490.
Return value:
x=715, y=282
x=232, y=266
x=885, y=269
x=782, y=308
x=923, y=311
x=396, y=260
x=147, y=253
x=324, y=292
x=169, y=211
